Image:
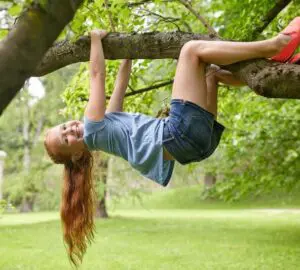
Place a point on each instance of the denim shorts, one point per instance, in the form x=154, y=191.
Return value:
x=190, y=132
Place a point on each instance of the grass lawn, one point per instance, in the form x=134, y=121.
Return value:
x=161, y=240
x=191, y=198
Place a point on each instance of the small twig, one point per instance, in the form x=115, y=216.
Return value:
x=168, y=19
x=139, y=91
x=110, y=16
x=161, y=18
x=130, y=87
x=211, y=31
x=146, y=89
x=279, y=5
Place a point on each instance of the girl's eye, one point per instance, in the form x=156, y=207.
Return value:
x=64, y=127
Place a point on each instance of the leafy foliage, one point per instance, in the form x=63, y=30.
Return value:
x=31, y=184
x=2, y=206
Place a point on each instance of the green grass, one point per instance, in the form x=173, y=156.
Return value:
x=166, y=240
x=191, y=198
x=169, y=230
x=29, y=218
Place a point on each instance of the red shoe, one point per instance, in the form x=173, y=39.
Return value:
x=295, y=59
x=293, y=30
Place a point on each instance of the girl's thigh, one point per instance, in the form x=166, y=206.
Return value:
x=189, y=82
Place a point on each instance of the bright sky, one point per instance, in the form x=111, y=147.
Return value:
x=36, y=88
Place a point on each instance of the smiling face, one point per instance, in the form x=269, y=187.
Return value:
x=66, y=139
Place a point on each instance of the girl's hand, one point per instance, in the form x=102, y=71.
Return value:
x=98, y=33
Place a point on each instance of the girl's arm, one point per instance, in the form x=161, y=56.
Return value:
x=96, y=105
x=117, y=97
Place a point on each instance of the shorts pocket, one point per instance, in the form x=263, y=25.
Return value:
x=197, y=130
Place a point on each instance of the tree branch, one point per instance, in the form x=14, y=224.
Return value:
x=269, y=17
x=117, y=46
x=140, y=91
x=161, y=18
x=211, y=31
x=266, y=77
x=149, y=88
x=110, y=16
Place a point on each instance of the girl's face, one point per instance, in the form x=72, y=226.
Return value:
x=67, y=138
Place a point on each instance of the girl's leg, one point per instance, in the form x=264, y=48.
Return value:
x=214, y=76
x=226, y=52
x=212, y=93
x=224, y=76
x=190, y=83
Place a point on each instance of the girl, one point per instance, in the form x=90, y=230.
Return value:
x=151, y=145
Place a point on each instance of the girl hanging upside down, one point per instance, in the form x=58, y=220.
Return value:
x=151, y=145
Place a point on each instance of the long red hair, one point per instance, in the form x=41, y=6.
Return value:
x=77, y=205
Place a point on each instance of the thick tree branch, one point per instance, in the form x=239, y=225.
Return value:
x=279, y=5
x=267, y=78
x=34, y=32
x=117, y=46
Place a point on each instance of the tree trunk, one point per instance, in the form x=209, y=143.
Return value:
x=26, y=137
x=209, y=180
x=28, y=201
x=2, y=157
x=33, y=34
x=100, y=176
x=27, y=205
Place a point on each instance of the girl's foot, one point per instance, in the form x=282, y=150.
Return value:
x=277, y=44
x=292, y=31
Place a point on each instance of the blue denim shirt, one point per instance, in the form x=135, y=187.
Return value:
x=137, y=138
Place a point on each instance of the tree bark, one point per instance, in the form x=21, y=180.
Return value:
x=26, y=136
x=100, y=175
x=266, y=78
x=27, y=205
x=33, y=34
x=209, y=180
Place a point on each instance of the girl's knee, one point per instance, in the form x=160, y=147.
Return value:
x=192, y=49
